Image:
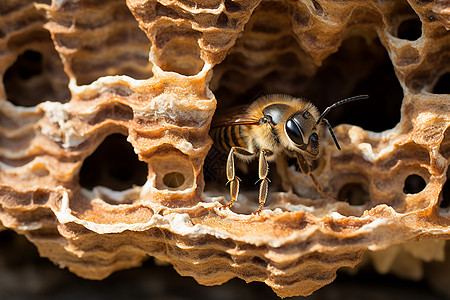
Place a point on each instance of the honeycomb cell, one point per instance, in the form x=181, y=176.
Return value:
x=414, y=184
x=410, y=29
x=181, y=51
x=173, y=179
x=173, y=172
x=117, y=166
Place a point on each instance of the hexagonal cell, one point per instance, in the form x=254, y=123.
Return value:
x=172, y=171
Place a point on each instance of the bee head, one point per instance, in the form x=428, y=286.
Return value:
x=299, y=127
x=296, y=122
x=301, y=130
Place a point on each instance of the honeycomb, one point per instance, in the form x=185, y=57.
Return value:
x=105, y=109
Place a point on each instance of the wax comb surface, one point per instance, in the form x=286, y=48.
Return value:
x=82, y=80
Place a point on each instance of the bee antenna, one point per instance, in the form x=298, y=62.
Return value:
x=360, y=97
x=332, y=133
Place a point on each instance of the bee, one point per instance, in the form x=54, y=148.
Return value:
x=272, y=128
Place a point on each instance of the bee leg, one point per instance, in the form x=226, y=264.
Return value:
x=282, y=167
x=234, y=191
x=231, y=176
x=306, y=169
x=318, y=186
x=303, y=164
x=264, y=186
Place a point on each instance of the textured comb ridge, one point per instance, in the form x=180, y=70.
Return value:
x=149, y=72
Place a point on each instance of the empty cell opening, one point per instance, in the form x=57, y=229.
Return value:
x=410, y=29
x=166, y=11
x=114, y=165
x=443, y=84
x=36, y=76
x=414, y=184
x=172, y=170
x=173, y=179
x=178, y=50
x=354, y=193
x=406, y=23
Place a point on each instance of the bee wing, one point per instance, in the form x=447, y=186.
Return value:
x=235, y=116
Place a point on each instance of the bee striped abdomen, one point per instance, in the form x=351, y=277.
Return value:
x=227, y=137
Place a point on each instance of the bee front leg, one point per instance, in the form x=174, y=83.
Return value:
x=264, y=186
x=306, y=169
x=231, y=175
x=318, y=186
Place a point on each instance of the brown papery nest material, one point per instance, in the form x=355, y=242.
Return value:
x=105, y=109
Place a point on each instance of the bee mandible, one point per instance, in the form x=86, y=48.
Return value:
x=272, y=127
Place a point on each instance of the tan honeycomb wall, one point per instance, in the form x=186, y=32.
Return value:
x=76, y=73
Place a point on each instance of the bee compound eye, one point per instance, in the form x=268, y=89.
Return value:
x=293, y=132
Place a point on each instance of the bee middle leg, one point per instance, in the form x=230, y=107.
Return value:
x=231, y=174
x=264, y=186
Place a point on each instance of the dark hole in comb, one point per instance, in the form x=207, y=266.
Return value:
x=414, y=184
x=410, y=29
x=443, y=85
x=114, y=165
